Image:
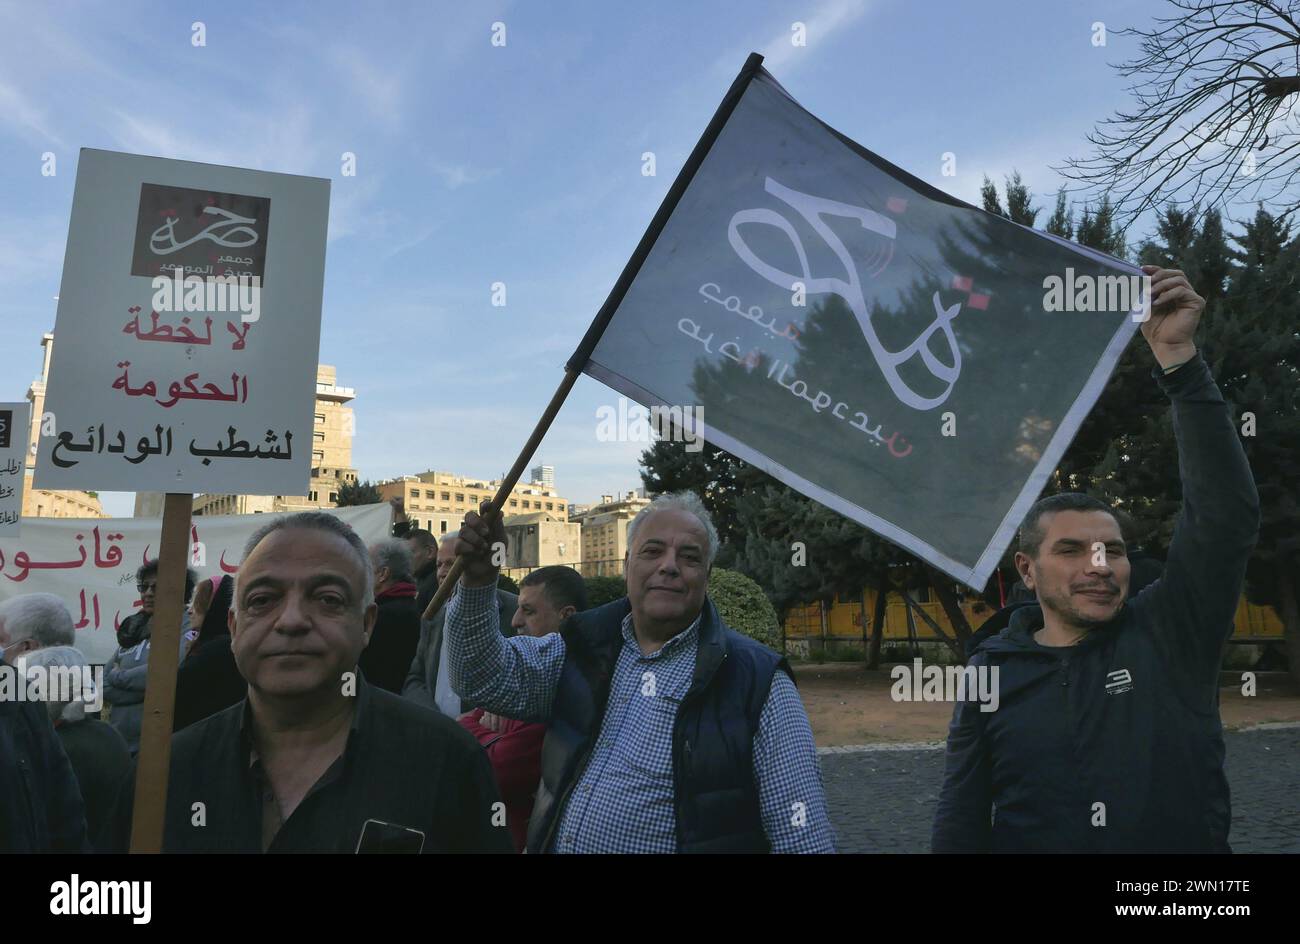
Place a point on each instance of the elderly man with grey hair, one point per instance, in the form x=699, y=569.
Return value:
x=667, y=731
x=388, y=655
x=40, y=804
x=31, y=622
x=316, y=759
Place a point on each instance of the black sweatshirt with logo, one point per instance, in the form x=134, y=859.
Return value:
x=1115, y=744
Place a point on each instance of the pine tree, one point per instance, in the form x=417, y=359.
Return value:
x=358, y=493
x=989, y=197
x=1019, y=199
x=1253, y=347
x=1018, y=202
x=1062, y=220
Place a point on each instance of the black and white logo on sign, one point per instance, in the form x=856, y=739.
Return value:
x=6, y=424
x=201, y=232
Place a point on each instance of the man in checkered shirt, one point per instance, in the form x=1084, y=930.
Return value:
x=666, y=730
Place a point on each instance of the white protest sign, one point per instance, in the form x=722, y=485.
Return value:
x=90, y=563
x=188, y=329
x=14, y=429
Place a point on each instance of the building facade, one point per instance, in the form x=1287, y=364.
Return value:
x=540, y=539
x=331, y=460
x=543, y=475
x=604, y=533
x=44, y=502
x=438, y=501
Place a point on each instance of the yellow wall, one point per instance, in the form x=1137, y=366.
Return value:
x=844, y=620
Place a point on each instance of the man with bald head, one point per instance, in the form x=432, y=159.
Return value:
x=315, y=759
x=667, y=731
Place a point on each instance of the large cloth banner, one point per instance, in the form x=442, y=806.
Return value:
x=904, y=358
x=90, y=563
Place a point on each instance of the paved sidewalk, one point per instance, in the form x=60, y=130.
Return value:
x=882, y=798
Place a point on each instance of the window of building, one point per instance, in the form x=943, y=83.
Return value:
x=550, y=506
x=334, y=496
x=446, y=496
x=444, y=525
x=514, y=503
x=318, y=436
x=311, y=496
x=320, y=419
x=460, y=497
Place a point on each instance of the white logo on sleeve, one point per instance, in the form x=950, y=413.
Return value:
x=1118, y=682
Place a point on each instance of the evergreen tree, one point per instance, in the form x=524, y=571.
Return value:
x=1254, y=348
x=1018, y=202
x=1100, y=231
x=1062, y=220
x=1019, y=199
x=358, y=493
x=989, y=197
x=714, y=474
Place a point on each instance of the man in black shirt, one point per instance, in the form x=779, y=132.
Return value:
x=314, y=759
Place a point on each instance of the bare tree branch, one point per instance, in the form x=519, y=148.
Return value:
x=1216, y=113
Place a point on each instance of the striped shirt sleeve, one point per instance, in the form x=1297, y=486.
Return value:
x=790, y=792
x=515, y=677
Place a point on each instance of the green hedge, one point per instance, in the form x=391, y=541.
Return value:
x=744, y=607
x=741, y=603
x=602, y=590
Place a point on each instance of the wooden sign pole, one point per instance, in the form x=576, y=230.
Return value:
x=152, y=765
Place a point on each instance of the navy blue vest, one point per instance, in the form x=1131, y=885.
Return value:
x=713, y=774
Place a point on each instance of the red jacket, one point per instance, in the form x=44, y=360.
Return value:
x=516, y=755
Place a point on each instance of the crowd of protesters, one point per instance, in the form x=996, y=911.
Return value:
x=319, y=710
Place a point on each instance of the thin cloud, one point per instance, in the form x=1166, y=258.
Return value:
x=455, y=176
x=25, y=119
x=780, y=53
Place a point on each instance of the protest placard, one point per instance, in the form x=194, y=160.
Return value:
x=188, y=329
x=13, y=465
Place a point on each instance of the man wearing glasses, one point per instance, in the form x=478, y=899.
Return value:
x=124, y=676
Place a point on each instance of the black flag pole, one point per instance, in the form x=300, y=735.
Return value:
x=579, y=359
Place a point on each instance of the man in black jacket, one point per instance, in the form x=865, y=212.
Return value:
x=1107, y=737
x=425, y=565
x=315, y=759
x=40, y=802
x=388, y=655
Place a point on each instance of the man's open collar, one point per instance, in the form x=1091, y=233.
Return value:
x=363, y=698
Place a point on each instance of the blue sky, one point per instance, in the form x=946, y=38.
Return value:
x=519, y=164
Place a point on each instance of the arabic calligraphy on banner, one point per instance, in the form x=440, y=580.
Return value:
x=90, y=563
x=200, y=383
